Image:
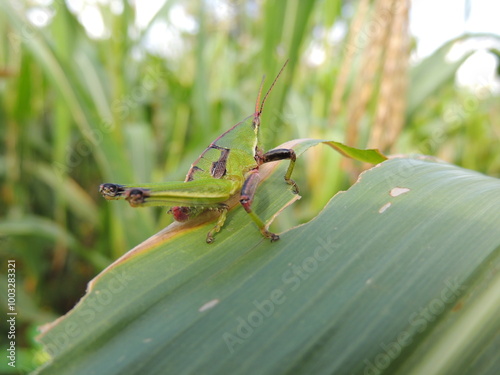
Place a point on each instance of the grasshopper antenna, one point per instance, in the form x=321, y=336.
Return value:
x=258, y=110
x=257, y=102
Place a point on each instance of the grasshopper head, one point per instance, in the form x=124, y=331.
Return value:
x=136, y=197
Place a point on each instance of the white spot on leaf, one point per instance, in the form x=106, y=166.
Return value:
x=384, y=207
x=398, y=191
x=209, y=305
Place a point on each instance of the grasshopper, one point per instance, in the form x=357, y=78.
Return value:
x=227, y=167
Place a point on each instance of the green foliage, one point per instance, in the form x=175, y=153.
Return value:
x=412, y=291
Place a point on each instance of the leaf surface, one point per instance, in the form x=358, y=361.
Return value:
x=401, y=267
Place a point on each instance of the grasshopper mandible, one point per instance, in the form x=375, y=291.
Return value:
x=228, y=166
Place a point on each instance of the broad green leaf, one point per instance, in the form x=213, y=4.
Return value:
x=397, y=274
x=372, y=156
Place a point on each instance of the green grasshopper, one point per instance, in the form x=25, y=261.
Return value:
x=228, y=166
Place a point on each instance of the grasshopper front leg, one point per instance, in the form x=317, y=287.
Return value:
x=281, y=154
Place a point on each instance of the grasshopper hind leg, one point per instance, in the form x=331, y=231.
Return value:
x=246, y=200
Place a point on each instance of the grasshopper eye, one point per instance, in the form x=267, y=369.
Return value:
x=180, y=213
x=111, y=190
x=136, y=196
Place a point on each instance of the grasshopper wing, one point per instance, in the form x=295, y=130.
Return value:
x=230, y=156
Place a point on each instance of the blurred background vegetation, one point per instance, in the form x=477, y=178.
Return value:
x=89, y=93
